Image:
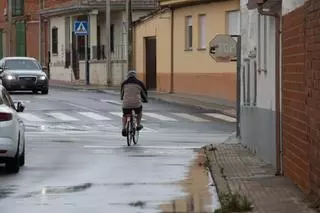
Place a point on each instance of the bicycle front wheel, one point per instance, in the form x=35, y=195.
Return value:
x=129, y=137
x=135, y=136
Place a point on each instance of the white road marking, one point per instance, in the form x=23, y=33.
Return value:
x=95, y=116
x=190, y=117
x=141, y=146
x=30, y=117
x=24, y=101
x=120, y=114
x=82, y=107
x=111, y=101
x=160, y=117
x=62, y=116
x=222, y=117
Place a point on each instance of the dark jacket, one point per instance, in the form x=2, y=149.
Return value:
x=132, y=91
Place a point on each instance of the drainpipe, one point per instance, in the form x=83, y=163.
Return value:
x=172, y=52
x=279, y=152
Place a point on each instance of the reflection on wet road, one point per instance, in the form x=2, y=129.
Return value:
x=83, y=165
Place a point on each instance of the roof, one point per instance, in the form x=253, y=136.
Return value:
x=170, y=7
x=150, y=15
x=19, y=57
x=86, y=5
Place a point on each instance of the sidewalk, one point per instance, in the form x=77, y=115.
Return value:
x=235, y=170
x=201, y=102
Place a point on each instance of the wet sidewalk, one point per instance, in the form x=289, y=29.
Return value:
x=236, y=170
x=201, y=102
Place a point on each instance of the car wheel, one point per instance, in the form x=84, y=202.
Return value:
x=22, y=157
x=45, y=91
x=35, y=91
x=13, y=165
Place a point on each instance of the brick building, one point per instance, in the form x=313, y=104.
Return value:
x=292, y=50
x=301, y=93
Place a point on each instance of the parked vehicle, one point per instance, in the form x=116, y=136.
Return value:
x=12, y=133
x=23, y=73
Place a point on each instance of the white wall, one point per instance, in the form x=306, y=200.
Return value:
x=60, y=24
x=250, y=44
x=289, y=5
x=57, y=70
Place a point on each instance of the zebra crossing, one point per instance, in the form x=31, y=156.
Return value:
x=72, y=116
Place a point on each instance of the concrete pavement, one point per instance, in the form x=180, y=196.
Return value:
x=236, y=170
x=201, y=102
x=77, y=160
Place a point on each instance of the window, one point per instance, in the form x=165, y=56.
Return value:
x=262, y=42
x=17, y=7
x=233, y=22
x=188, y=32
x=202, y=31
x=22, y=64
x=54, y=40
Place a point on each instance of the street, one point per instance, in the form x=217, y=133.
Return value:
x=77, y=160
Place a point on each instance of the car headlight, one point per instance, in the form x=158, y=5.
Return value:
x=10, y=77
x=43, y=77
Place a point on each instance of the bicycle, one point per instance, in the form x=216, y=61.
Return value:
x=131, y=127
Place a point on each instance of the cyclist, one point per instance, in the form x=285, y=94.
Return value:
x=133, y=93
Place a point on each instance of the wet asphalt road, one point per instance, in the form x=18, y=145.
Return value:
x=77, y=160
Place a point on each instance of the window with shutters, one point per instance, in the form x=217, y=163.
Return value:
x=233, y=22
x=202, y=32
x=17, y=7
x=54, y=40
x=188, y=36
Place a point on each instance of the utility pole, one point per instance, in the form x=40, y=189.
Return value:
x=9, y=6
x=130, y=34
x=108, y=46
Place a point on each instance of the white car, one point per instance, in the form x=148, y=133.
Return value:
x=12, y=133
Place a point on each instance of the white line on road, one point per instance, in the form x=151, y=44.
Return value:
x=141, y=146
x=190, y=117
x=82, y=107
x=119, y=114
x=62, y=116
x=222, y=117
x=111, y=101
x=160, y=117
x=95, y=116
x=30, y=117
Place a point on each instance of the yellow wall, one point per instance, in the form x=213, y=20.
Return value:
x=195, y=72
x=159, y=26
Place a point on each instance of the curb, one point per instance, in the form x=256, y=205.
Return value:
x=197, y=106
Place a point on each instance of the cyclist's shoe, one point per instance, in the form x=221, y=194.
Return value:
x=124, y=133
x=139, y=127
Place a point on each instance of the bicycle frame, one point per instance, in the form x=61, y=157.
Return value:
x=131, y=126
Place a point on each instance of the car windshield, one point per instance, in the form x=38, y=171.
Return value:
x=21, y=64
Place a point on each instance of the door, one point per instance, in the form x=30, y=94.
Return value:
x=151, y=62
x=20, y=39
x=1, y=44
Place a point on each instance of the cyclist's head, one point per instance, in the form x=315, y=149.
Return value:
x=132, y=73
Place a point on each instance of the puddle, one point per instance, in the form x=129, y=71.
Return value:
x=6, y=192
x=196, y=186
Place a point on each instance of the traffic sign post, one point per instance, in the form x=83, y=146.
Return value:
x=224, y=48
x=80, y=28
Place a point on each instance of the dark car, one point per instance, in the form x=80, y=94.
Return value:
x=23, y=73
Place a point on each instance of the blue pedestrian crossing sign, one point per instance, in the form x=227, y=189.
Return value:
x=80, y=28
